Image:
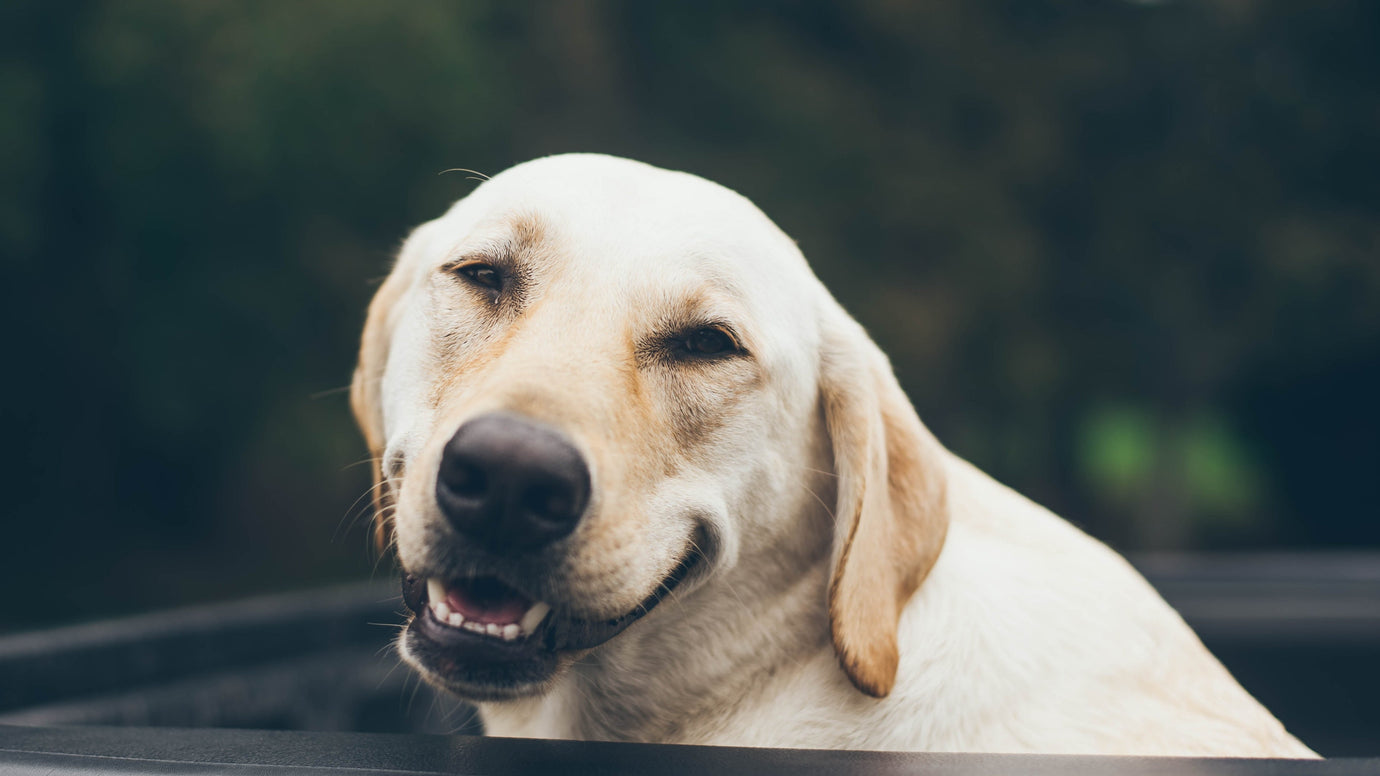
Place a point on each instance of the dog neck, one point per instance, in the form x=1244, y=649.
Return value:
x=657, y=683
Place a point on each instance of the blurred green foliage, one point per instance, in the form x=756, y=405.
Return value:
x=1123, y=255
x=1199, y=469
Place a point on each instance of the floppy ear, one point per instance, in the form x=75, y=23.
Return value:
x=364, y=393
x=892, y=513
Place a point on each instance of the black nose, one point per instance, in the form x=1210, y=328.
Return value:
x=511, y=484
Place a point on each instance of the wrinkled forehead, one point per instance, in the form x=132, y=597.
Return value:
x=626, y=229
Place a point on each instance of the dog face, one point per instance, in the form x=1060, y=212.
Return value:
x=592, y=382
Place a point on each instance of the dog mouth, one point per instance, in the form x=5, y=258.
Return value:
x=484, y=638
x=484, y=606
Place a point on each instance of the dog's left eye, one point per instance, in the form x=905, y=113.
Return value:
x=708, y=341
x=482, y=275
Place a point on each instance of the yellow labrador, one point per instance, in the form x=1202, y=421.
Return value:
x=648, y=481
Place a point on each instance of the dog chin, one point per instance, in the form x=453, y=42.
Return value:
x=484, y=640
x=479, y=674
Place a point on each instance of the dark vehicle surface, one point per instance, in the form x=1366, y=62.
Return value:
x=1301, y=632
x=52, y=751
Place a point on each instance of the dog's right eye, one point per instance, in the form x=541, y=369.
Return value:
x=704, y=343
x=707, y=342
x=481, y=274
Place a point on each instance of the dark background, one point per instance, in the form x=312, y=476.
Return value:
x=1125, y=256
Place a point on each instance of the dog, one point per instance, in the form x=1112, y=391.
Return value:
x=648, y=481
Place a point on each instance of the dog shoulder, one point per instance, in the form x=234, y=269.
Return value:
x=1029, y=635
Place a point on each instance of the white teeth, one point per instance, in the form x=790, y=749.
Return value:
x=533, y=617
x=436, y=594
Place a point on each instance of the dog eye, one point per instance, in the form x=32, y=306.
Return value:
x=482, y=275
x=708, y=341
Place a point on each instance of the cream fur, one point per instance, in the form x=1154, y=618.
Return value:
x=1025, y=635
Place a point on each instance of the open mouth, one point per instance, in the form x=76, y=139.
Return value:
x=483, y=633
x=485, y=607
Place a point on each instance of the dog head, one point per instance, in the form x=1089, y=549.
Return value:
x=592, y=382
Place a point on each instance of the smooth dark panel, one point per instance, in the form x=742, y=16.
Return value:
x=1300, y=631
x=94, y=750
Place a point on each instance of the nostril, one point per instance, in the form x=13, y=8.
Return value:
x=549, y=501
x=465, y=479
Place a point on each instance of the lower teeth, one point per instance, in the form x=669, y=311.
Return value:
x=505, y=631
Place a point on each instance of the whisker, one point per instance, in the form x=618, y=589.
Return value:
x=386, y=552
x=413, y=698
x=482, y=177
x=361, y=462
x=471, y=714
x=391, y=671
x=827, y=508
x=328, y=392
x=350, y=520
x=350, y=511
